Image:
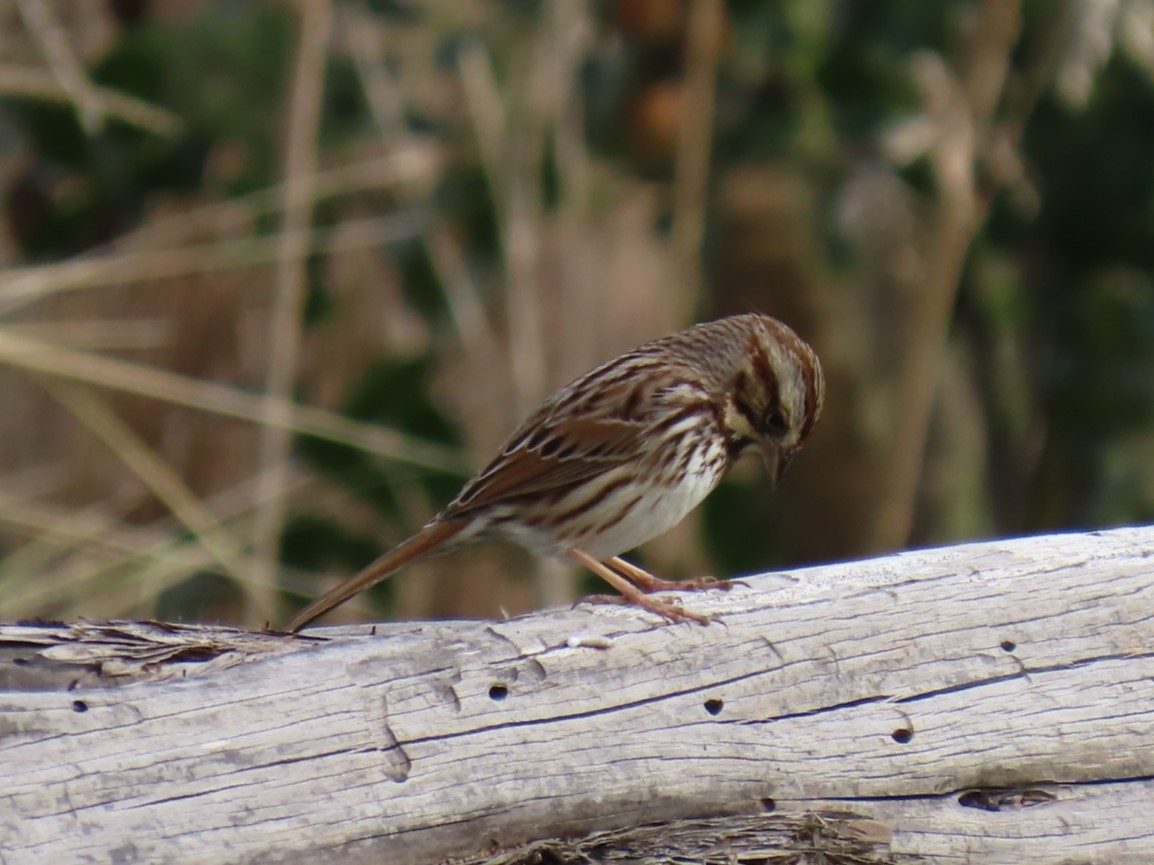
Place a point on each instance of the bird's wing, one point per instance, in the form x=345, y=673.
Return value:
x=553, y=455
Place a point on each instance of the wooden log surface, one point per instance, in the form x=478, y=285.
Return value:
x=986, y=703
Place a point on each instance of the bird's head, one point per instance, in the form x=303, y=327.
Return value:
x=776, y=393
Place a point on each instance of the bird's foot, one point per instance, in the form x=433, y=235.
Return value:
x=696, y=584
x=648, y=583
x=667, y=609
x=633, y=594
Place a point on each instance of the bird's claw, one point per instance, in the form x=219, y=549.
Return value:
x=696, y=584
x=670, y=609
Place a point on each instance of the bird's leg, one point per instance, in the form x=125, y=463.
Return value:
x=633, y=595
x=647, y=582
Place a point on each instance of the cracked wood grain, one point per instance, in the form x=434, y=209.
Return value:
x=981, y=701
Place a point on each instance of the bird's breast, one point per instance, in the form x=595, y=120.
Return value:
x=626, y=506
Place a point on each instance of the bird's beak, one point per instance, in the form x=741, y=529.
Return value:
x=776, y=460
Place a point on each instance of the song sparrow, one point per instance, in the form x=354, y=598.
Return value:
x=626, y=451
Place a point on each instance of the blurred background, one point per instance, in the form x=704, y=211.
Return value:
x=275, y=277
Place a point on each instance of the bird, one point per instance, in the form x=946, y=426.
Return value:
x=624, y=452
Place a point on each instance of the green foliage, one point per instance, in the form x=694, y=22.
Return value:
x=740, y=534
x=315, y=543
x=113, y=172
x=422, y=287
x=394, y=393
x=202, y=597
x=222, y=73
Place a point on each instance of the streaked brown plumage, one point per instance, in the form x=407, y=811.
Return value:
x=624, y=452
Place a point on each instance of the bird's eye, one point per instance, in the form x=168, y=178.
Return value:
x=775, y=423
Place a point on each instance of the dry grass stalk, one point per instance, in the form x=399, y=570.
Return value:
x=314, y=26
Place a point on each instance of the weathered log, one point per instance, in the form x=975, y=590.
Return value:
x=987, y=703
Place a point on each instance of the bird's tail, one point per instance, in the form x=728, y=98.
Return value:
x=419, y=545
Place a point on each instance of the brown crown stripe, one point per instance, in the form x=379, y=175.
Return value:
x=765, y=372
x=809, y=373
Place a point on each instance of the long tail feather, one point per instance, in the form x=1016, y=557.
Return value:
x=421, y=544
